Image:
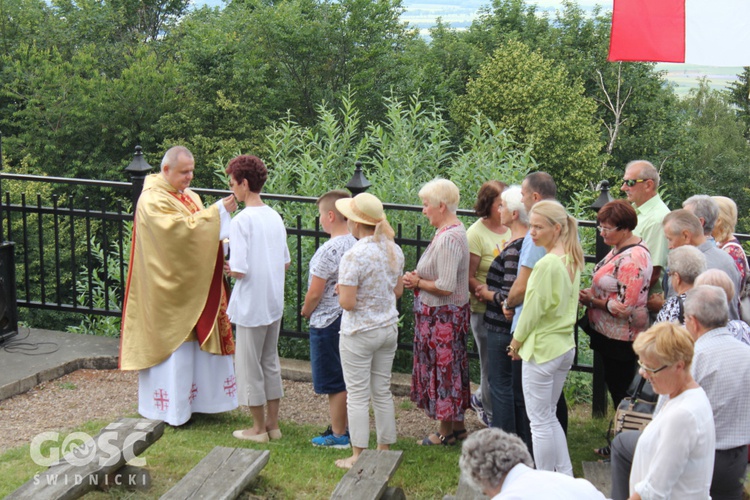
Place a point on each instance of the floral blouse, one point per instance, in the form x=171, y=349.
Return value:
x=623, y=277
x=734, y=249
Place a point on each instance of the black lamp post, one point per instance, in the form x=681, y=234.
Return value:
x=599, y=396
x=138, y=170
x=358, y=183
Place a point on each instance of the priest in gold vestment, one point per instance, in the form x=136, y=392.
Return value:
x=175, y=330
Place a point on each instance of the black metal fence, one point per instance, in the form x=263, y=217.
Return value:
x=72, y=249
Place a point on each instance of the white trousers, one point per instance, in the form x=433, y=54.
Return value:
x=542, y=386
x=189, y=381
x=257, y=363
x=367, y=360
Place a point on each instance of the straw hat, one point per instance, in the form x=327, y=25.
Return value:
x=363, y=208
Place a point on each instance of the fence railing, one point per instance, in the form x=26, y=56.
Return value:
x=72, y=250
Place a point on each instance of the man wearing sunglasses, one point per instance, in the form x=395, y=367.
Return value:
x=640, y=184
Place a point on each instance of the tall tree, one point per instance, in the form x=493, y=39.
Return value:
x=739, y=95
x=522, y=91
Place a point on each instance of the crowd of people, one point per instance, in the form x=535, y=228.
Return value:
x=666, y=304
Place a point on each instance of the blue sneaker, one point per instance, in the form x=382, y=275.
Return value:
x=328, y=440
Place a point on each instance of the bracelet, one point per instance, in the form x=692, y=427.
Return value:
x=606, y=306
x=419, y=280
x=506, y=305
x=510, y=348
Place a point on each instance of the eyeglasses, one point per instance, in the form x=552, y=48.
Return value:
x=633, y=182
x=652, y=371
x=603, y=229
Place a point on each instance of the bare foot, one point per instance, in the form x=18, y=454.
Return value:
x=346, y=463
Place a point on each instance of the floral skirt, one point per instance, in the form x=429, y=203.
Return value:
x=440, y=374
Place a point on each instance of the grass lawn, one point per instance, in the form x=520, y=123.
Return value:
x=295, y=469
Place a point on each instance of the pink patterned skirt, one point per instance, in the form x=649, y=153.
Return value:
x=440, y=373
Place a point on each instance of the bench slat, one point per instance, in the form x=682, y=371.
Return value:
x=131, y=436
x=222, y=474
x=369, y=477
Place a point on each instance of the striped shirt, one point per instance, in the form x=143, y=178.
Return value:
x=500, y=278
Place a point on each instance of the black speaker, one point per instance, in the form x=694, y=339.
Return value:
x=8, y=306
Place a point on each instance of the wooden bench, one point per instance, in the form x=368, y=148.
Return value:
x=368, y=478
x=95, y=463
x=222, y=474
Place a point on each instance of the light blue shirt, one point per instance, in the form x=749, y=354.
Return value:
x=530, y=255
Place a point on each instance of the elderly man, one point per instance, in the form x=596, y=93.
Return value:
x=706, y=209
x=721, y=365
x=175, y=329
x=681, y=227
x=640, y=183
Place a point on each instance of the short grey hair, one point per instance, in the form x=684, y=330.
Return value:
x=170, y=157
x=489, y=454
x=703, y=207
x=708, y=305
x=687, y=261
x=646, y=170
x=683, y=220
x=439, y=191
x=717, y=277
x=513, y=201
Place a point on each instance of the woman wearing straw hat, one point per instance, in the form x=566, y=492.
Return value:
x=440, y=374
x=369, y=284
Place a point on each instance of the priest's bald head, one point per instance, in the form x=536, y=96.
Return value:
x=177, y=167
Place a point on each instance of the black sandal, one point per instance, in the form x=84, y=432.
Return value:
x=461, y=434
x=444, y=440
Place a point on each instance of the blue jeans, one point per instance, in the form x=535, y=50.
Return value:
x=508, y=407
x=325, y=360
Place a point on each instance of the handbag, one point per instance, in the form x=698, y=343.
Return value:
x=636, y=411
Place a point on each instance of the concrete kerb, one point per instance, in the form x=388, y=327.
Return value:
x=22, y=371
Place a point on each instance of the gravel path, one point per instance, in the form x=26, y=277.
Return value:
x=86, y=395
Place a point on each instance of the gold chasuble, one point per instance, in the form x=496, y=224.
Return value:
x=175, y=290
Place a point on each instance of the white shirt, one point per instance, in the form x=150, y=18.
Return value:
x=257, y=243
x=367, y=266
x=674, y=458
x=525, y=483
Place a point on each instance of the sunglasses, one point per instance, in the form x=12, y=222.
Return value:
x=633, y=182
x=652, y=371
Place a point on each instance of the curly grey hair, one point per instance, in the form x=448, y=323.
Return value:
x=489, y=454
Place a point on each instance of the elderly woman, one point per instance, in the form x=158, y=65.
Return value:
x=723, y=233
x=257, y=302
x=499, y=465
x=684, y=264
x=544, y=335
x=487, y=237
x=717, y=277
x=440, y=377
x=617, y=298
x=500, y=278
x=369, y=284
x=674, y=457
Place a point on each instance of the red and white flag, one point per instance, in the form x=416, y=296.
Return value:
x=706, y=32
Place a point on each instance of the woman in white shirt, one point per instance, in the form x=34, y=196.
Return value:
x=499, y=465
x=674, y=457
x=258, y=259
x=369, y=284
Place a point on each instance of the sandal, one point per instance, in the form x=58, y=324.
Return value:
x=444, y=440
x=461, y=434
x=603, y=452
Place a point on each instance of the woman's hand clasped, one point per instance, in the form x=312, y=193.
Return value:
x=411, y=280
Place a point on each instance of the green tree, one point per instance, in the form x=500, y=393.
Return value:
x=520, y=90
x=739, y=95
